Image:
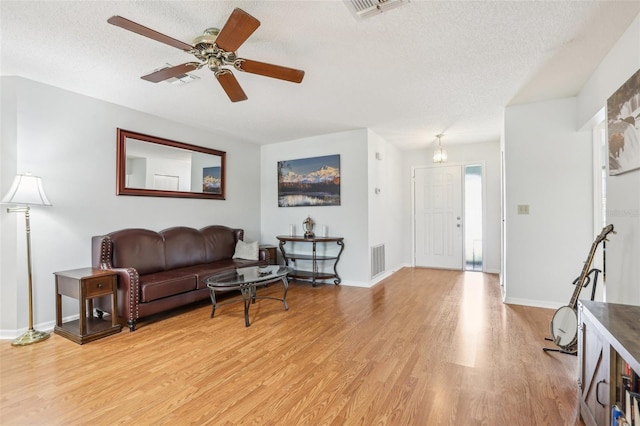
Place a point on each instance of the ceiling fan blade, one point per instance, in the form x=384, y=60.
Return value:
x=167, y=73
x=231, y=86
x=237, y=30
x=121, y=22
x=269, y=70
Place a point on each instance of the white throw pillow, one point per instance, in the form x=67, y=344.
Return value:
x=248, y=251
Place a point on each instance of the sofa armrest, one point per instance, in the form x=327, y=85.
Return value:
x=128, y=295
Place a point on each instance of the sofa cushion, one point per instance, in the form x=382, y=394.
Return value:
x=202, y=271
x=183, y=247
x=141, y=249
x=164, y=284
x=219, y=242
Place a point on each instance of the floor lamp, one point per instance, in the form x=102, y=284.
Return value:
x=26, y=191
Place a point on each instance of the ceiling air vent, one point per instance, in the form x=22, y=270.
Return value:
x=178, y=80
x=182, y=79
x=368, y=8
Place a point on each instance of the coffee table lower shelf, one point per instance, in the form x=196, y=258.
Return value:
x=314, y=276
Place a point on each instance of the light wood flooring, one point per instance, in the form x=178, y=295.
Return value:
x=423, y=347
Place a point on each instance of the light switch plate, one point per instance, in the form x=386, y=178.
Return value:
x=523, y=208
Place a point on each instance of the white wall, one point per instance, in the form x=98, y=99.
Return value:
x=619, y=64
x=387, y=207
x=70, y=141
x=548, y=167
x=10, y=298
x=623, y=191
x=348, y=220
x=364, y=218
x=487, y=154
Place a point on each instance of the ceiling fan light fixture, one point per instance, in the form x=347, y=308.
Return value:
x=440, y=154
x=208, y=36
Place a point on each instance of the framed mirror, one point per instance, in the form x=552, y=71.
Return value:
x=157, y=167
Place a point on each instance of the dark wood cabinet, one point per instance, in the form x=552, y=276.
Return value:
x=608, y=340
x=314, y=265
x=273, y=253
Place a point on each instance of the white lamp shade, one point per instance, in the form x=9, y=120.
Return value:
x=26, y=189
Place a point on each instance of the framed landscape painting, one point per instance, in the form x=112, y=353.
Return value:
x=211, y=182
x=309, y=182
x=623, y=127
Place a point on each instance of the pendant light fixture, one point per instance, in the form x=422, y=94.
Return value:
x=439, y=154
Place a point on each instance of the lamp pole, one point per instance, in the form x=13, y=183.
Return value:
x=31, y=335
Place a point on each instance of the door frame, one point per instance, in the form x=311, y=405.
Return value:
x=599, y=160
x=464, y=219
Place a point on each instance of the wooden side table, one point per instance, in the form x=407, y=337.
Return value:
x=85, y=284
x=273, y=254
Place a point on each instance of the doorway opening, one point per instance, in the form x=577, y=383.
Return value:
x=473, y=217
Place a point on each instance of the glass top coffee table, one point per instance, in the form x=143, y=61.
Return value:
x=247, y=280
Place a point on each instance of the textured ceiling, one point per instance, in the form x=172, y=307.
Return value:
x=409, y=73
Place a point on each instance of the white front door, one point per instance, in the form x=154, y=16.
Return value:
x=438, y=217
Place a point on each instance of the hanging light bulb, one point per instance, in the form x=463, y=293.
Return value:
x=439, y=154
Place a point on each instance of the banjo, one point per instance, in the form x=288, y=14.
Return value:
x=564, y=324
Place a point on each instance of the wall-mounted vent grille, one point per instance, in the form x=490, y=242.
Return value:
x=368, y=8
x=377, y=260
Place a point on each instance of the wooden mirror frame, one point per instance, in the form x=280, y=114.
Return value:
x=121, y=167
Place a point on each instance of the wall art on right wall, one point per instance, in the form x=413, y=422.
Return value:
x=623, y=127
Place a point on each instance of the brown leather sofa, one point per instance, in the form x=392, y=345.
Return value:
x=159, y=271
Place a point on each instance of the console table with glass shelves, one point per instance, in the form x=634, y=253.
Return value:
x=317, y=271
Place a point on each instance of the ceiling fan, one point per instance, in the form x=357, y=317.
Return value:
x=215, y=49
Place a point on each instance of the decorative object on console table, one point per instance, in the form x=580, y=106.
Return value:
x=307, y=225
x=85, y=284
x=27, y=190
x=316, y=273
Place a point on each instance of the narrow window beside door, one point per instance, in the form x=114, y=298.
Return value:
x=473, y=217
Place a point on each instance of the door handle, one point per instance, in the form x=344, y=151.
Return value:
x=598, y=391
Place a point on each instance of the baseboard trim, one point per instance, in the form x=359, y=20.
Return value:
x=45, y=326
x=533, y=303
